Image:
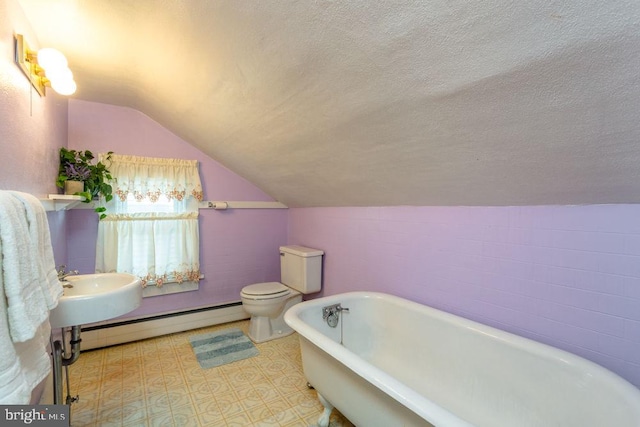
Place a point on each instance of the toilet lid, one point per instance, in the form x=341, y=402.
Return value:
x=268, y=289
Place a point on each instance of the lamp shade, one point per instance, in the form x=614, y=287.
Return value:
x=64, y=87
x=51, y=59
x=58, y=74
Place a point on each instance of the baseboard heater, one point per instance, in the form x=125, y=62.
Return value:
x=107, y=333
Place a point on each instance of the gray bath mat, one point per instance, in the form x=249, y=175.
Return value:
x=219, y=348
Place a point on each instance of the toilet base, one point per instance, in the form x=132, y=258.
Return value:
x=266, y=328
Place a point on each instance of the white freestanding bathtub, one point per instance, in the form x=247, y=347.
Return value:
x=406, y=364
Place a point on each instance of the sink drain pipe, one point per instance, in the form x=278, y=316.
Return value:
x=60, y=360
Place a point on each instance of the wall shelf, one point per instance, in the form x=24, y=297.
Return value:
x=60, y=202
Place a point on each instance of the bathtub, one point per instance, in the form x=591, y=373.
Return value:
x=405, y=364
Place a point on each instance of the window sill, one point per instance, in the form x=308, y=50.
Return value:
x=169, y=288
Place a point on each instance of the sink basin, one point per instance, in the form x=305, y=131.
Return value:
x=92, y=298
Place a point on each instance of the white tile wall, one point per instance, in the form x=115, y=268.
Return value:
x=568, y=276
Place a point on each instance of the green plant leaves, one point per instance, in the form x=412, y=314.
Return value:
x=96, y=176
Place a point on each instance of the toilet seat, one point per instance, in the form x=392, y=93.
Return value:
x=265, y=291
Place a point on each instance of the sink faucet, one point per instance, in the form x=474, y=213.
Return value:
x=62, y=273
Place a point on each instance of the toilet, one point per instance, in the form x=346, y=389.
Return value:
x=300, y=273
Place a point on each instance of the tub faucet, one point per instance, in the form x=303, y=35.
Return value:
x=62, y=273
x=331, y=314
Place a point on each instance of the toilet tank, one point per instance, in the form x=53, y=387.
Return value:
x=301, y=268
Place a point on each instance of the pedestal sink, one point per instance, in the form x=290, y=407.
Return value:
x=92, y=298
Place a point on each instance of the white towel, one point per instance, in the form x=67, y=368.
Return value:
x=41, y=245
x=34, y=357
x=26, y=303
x=22, y=365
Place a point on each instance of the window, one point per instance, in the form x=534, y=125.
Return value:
x=151, y=227
x=163, y=204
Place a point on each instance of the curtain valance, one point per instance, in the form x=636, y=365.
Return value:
x=150, y=177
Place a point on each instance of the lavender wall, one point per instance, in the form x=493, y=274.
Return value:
x=568, y=276
x=237, y=247
x=32, y=129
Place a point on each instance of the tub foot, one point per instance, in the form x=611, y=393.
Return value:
x=323, y=421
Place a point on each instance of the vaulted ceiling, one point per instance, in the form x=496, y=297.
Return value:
x=371, y=103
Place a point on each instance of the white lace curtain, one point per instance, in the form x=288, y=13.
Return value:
x=151, y=227
x=149, y=177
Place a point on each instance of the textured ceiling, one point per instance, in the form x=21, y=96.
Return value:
x=352, y=103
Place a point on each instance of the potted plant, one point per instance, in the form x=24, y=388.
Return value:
x=79, y=166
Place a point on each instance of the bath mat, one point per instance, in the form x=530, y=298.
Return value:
x=219, y=348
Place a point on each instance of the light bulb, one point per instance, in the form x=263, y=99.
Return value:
x=51, y=59
x=64, y=87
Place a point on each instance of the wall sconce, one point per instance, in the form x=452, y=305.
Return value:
x=46, y=67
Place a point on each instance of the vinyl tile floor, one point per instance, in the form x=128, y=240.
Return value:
x=158, y=382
